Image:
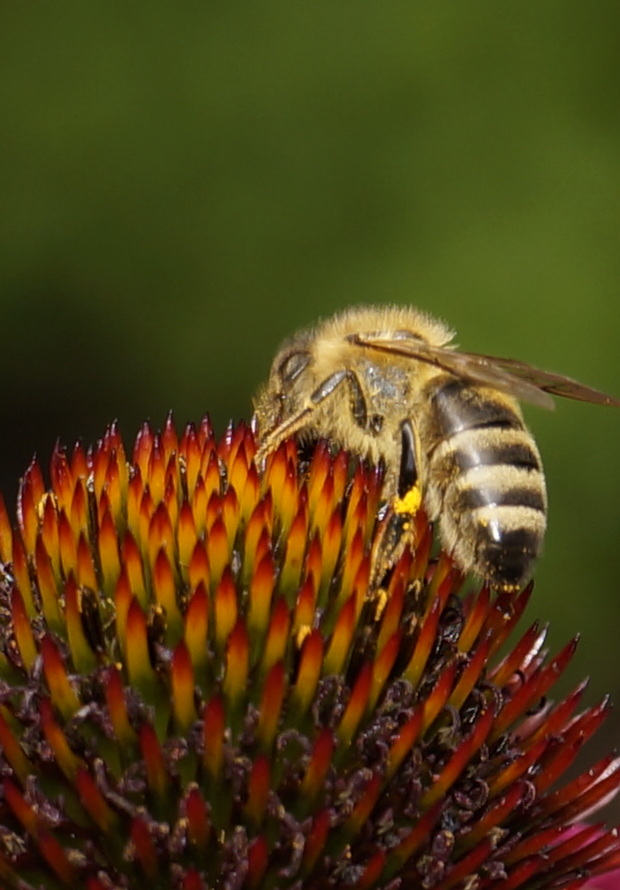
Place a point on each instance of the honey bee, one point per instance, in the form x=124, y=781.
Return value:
x=387, y=383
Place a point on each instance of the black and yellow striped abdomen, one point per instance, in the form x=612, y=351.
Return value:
x=484, y=482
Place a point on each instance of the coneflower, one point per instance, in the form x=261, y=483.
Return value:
x=200, y=690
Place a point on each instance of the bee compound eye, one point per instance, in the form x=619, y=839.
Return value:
x=292, y=365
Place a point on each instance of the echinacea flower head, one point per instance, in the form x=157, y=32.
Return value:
x=199, y=688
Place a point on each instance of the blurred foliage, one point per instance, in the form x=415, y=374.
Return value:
x=183, y=186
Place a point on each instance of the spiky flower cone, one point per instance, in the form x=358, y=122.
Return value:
x=198, y=689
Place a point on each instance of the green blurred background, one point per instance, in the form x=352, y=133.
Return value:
x=182, y=186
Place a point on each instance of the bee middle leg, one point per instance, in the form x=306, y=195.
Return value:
x=356, y=396
x=398, y=528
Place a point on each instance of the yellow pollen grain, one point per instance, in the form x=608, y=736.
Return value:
x=381, y=599
x=410, y=502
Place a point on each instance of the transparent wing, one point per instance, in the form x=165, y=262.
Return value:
x=513, y=377
x=556, y=384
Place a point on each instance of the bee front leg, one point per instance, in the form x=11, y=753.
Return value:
x=274, y=439
x=304, y=416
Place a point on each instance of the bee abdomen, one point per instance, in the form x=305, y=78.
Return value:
x=493, y=518
x=458, y=406
x=498, y=485
x=487, y=486
x=507, y=544
x=493, y=515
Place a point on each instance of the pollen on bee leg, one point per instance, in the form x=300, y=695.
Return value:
x=398, y=529
x=409, y=502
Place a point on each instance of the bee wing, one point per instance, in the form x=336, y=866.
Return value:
x=516, y=378
x=556, y=384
